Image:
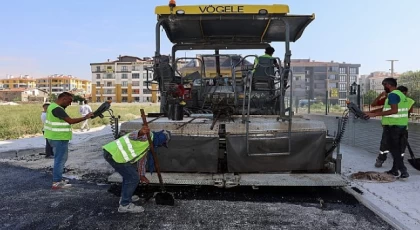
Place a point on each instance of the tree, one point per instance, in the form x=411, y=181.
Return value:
x=369, y=96
x=52, y=97
x=411, y=80
x=78, y=98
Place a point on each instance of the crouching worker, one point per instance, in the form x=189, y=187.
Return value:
x=123, y=154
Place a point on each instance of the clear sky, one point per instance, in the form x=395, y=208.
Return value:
x=42, y=37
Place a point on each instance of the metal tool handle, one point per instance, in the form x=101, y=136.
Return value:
x=152, y=149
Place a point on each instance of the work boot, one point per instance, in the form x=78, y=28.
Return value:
x=404, y=175
x=378, y=163
x=134, y=198
x=131, y=208
x=392, y=172
x=59, y=185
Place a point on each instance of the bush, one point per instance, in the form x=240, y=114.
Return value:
x=25, y=119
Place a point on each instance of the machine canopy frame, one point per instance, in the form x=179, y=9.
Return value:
x=231, y=24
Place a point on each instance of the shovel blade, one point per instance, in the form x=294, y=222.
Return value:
x=164, y=198
x=415, y=163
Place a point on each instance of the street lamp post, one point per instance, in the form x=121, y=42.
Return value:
x=355, y=90
x=392, y=67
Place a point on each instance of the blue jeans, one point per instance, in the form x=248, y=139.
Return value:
x=61, y=153
x=130, y=177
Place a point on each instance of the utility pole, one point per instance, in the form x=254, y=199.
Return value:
x=392, y=67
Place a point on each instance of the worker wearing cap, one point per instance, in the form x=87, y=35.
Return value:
x=383, y=154
x=123, y=154
x=395, y=122
x=269, y=51
x=58, y=131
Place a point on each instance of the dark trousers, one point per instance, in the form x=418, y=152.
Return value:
x=384, y=148
x=396, y=137
x=130, y=177
x=48, y=148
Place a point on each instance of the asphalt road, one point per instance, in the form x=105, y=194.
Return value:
x=27, y=202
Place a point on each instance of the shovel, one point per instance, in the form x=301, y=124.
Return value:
x=413, y=161
x=162, y=197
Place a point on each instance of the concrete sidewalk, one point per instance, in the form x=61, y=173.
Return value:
x=39, y=142
x=398, y=201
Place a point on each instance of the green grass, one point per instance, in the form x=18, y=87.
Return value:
x=319, y=108
x=25, y=119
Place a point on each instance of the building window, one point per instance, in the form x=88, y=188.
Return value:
x=298, y=69
x=135, y=76
x=98, y=99
x=124, y=99
x=320, y=77
x=342, y=94
x=342, y=103
x=98, y=92
x=352, y=79
x=124, y=76
x=109, y=84
x=109, y=76
x=124, y=68
x=342, y=70
x=146, y=91
x=98, y=68
x=98, y=76
x=109, y=98
x=333, y=68
x=124, y=83
x=136, y=91
x=343, y=87
x=109, y=91
x=333, y=77
x=136, y=99
x=343, y=78
x=133, y=68
x=320, y=69
x=353, y=70
x=135, y=83
x=98, y=83
x=124, y=91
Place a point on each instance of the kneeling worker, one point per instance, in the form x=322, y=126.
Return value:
x=123, y=154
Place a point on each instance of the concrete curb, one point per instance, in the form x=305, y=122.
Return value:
x=378, y=211
x=21, y=153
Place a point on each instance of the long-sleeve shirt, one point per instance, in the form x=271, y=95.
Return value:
x=43, y=118
x=85, y=109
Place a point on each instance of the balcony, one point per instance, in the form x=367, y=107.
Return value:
x=98, y=71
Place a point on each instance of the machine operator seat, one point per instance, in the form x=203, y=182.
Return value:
x=263, y=74
x=164, y=72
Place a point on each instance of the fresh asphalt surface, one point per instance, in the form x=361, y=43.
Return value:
x=27, y=202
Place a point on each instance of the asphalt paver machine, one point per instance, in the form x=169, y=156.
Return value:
x=234, y=128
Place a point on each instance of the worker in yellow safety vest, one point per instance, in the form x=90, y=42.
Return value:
x=58, y=132
x=395, y=121
x=123, y=154
x=269, y=51
x=383, y=154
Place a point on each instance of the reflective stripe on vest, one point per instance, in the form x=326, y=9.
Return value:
x=400, y=118
x=56, y=128
x=124, y=150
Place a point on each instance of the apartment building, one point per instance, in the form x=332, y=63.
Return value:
x=56, y=84
x=23, y=94
x=314, y=79
x=374, y=80
x=22, y=81
x=123, y=80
